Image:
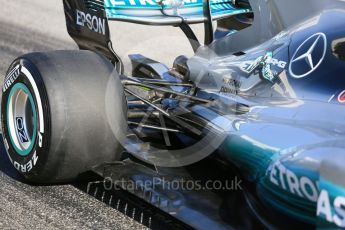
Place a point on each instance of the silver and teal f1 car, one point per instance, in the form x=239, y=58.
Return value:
x=249, y=132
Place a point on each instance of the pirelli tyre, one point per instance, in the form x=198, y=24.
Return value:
x=62, y=113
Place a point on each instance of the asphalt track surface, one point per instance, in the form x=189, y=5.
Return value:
x=38, y=25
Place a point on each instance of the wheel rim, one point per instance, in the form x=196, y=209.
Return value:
x=21, y=119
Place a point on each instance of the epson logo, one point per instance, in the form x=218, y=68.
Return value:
x=94, y=23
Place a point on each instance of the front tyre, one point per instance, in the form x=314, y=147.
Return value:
x=55, y=114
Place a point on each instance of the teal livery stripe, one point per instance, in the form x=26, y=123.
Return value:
x=150, y=8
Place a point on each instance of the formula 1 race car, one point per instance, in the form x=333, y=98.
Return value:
x=260, y=104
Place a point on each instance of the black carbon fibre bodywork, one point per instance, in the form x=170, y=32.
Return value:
x=78, y=27
x=264, y=104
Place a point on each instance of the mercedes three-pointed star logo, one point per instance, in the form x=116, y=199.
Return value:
x=308, y=55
